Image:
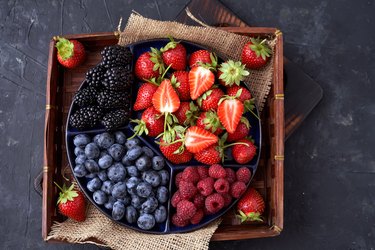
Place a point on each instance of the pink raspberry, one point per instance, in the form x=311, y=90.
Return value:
x=198, y=216
x=185, y=209
x=217, y=171
x=178, y=179
x=243, y=174
x=191, y=174
x=231, y=175
x=178, y=222
x=198, y=200
x=221, y=186
x=187, y=189
x=176, y=198
x=227, y=199
x=206, y=186
x=237, y=189
x=214, y=203
x=203, y=172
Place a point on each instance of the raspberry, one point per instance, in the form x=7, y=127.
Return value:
x=206, y=186
x=185, y=209
x=178, y=179
x=243, y=174
x=217, y=171
x=203, y=172
x=231, y=175
x=237, y=189
x=187, y=190
x=199, y=200
x=176, y=198
x=227, y=199
x=221, y=186
x=214, y=203
x=191, y=174
x=198, y=216
x=178, y=222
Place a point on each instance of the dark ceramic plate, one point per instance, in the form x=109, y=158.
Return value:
x=166, y=227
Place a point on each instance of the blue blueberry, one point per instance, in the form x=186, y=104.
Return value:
x=96, y=139
x=102, y=175
x=81, y=140
x=92, y=166
x=120, y=137
x=149, y=205
x=80, y=170
x=107, y=187
x=137, y=201
x=160, y=214
x=91, y=175
x=144, y=189
x=132, y=182
x=158, y=162
x=117, y=151
x=118, y=210
x=152, y=177
x=116, y=172
x=132, y=143
x=105, y=140
x=94, y=184
x=119, y=190
x=146, y=221
x=92, y=151
x=105, y=161
x=125, y=160
x=148, y=151
x=131, y=214
x=80, y=159
x=143, y=163
x=100, y=197
x=109, y=203
x=103, y=153
x=126, y=200
x=134, y=153
x=78, y=151
x=132, y=171
x=162, y=194
x=164, y=175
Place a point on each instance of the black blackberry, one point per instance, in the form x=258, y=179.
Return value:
x=114, y=99
x=116, y=55
x=95, y=76
x=85, y=96
x=118, y=78
x=86, y=117
x=115, y=119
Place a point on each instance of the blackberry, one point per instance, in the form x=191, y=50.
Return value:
x=118, y=78
x=95, y=76
x=114, y=99
x=86, y=117
x=115, y=119
x=116, y=55
x=85, y=96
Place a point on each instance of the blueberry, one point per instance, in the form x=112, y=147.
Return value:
x=96, y=139
x=162, y=194
x=134, y=153
x=81, y=140
x=91, y=175
x=80, y=159
x=91, y=166
x=118, y=210
x=102, y=175
x=132, y=143
x=143, y=163
x=132, y=171
x=158, y=162
x=132, y=182
x=120, y=137
x=149, y=205
x=152, y=177
x=78, y=151
x=80, y=170
x=164, y=175
x=146, y=221
x=92, y=151
x=105, y=161
x=126, y=200
x=144, y=189
x=100, y=197
x=109, y=203
x=137, y=201
x=116, y=172
x=107, y=187
x=117, y=151
x=160, y=214
x=94, y=184
x=148, y=151
x=125, y=160
x=131, y=214
x=105, y=140
x=132, y=191
x=119, y=190
x=103, y=153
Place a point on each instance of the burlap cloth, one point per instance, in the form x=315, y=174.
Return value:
x=97, y=227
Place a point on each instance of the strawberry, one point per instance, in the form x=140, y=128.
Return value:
x=230, y=111
x=165, y=99
x=202, y=56
x=245, y=93
x=174, y=55
x=210, y=155
x=244, y=152
x=201, y=79
x=251, y=206
x=149, y=65
x=144, y=96
x=242, y=130
x=210, y=122
x=150, y=123
x=186, y=114
x=210, y=99
x=231, y=73
x=71, y=203
x=197, y=139
x=180, y=81
x=70, y=53
x=256, y=53
x=174, y=153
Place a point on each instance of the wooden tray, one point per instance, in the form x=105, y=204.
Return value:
x=269, y=179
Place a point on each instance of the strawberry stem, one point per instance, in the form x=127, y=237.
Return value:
x=235, y=143
x=58, y=186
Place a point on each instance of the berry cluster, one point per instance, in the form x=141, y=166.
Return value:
x=124, y=177
x=202, y=191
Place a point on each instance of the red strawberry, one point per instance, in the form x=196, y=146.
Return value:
x=230, y=111
x=210, y=122
x=181, y=84
x=217, y=171
x=255, y=54
x=214, y=203
x=245, y=93
x=206, y=186
x=237, y=189
x=210, y=99
x=191, y=174
x=243, y=154
x=210, y=155
x=179, y=222
x=71, y=203
x=197, y=217
x=243, y=174
x=197, y=139
x=70, y=53
x=231, y=73
x=202, y=56
x=187, y=189
x=185, y=209
x=149, y=65
x=242, y=130
x=201, y=79
x=144, y=96
x=251, y=206
x=150, y=123
x=172, y=152
x=186, y=114
x=165, y=99
x=174, y=55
